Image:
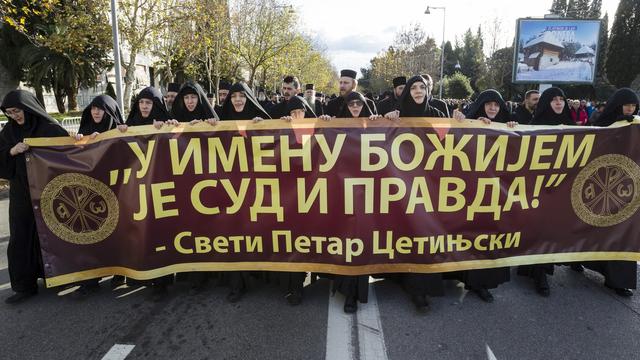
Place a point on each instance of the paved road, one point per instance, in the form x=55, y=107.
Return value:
x=581, y=320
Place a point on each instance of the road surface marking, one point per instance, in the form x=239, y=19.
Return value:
x=118, y=352
x=354, y=336
x=490, y=355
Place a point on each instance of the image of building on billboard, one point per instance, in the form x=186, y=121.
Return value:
x=551, y=51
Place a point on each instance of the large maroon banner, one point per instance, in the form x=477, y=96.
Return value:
x=344, y=196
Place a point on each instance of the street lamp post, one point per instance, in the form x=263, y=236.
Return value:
x=444, y=17
x=116, y=52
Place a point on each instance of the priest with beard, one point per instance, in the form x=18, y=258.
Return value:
x=347, y=83
x=27, y=118
x=310, y=97
x=392, y=103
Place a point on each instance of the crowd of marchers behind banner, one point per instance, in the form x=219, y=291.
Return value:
x=187, y=104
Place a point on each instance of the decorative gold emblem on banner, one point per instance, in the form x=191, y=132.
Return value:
x=605, y=192
x=79, y=209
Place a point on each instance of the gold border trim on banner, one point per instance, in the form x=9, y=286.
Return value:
x=244, y=125
x=341, y=269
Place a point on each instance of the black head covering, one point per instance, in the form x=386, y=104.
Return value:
x=400, y=80
x=309, y=87
x=173, y=87
x=476, y=110
x=224, y=85
x=544, y=114
x=35, y=116
x=112, y=116
x=354, y=95
x=613, y=110
x=348, y=73
x=158, y=111
x=297, y=102
x=203, y=110
x=252, y=107
x=409, y=108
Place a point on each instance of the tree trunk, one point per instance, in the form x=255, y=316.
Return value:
x=208, y=67
x=169, y=71
x=216, y=68
x=129, y=78
x=72, y=93
x=264, y=78
x=39, y=95
x=59, y=95
x=217, y=86
x=252, y=76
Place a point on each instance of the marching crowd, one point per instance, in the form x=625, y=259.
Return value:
x=188, y=104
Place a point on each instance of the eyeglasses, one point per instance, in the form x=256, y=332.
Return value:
x=355, y=103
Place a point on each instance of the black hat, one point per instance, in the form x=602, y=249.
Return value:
x=319, y=94
x=309, y=87
x=173, y=87
x=224, y=85
x=210, y=96
x=348, y=73
x=400, y=80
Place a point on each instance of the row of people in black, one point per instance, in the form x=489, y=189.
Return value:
x=29, y=119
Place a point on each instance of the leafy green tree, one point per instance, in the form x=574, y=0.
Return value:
x=65, y=44
x=457, y=86
x=622, y=63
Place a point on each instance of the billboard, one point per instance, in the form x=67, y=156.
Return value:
x=553, y=51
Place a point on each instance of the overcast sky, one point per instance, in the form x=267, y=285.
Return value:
x=354, y=31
